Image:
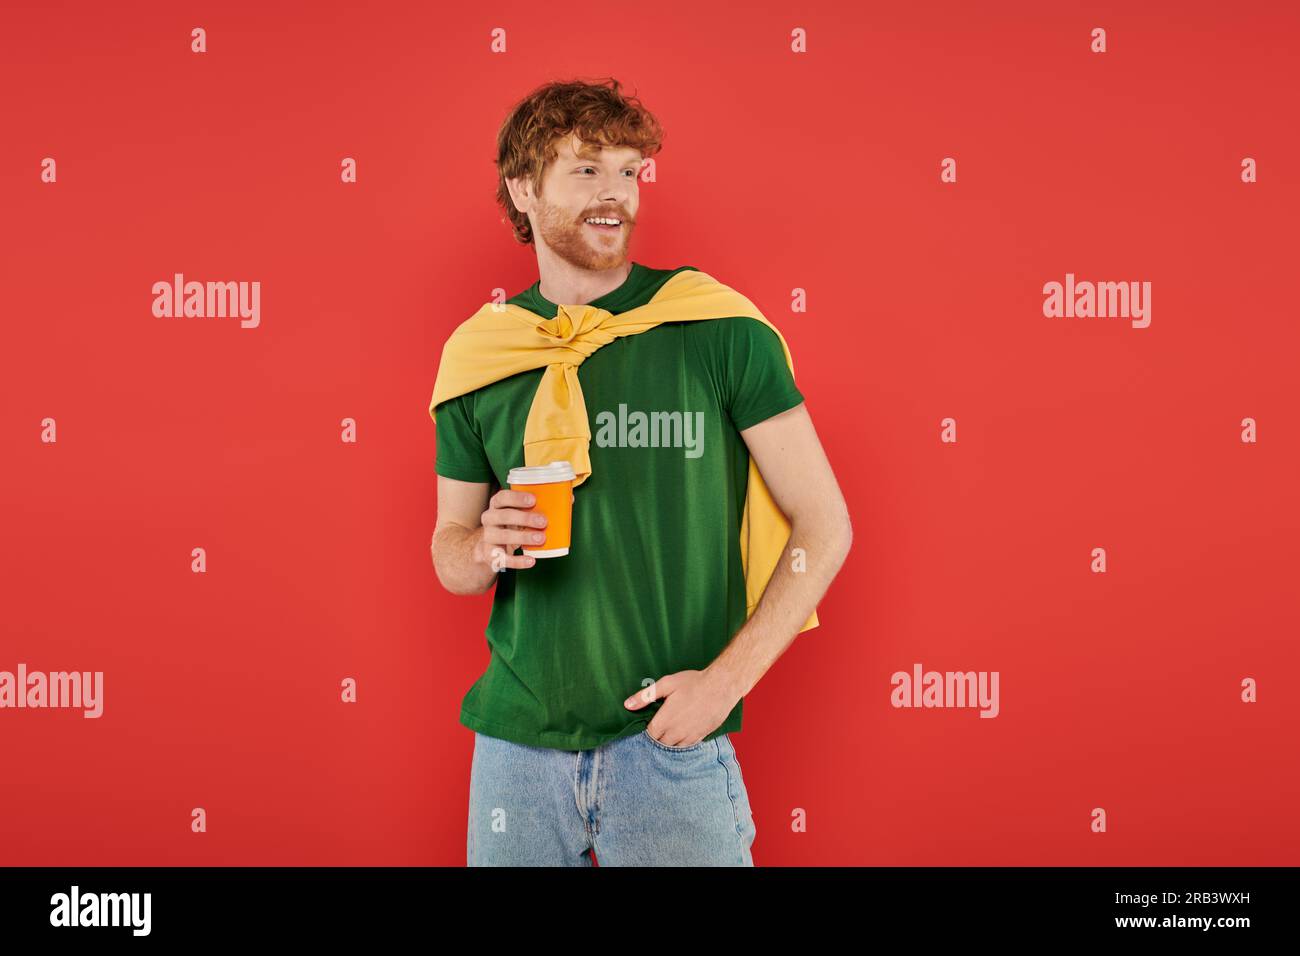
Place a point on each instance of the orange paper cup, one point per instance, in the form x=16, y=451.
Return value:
x=553, y=486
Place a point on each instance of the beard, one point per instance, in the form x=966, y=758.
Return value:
x=580, y=245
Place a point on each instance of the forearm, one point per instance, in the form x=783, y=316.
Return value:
x=459, y=561
x=788, y=601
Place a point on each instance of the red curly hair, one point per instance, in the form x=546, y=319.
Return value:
x=598, y=113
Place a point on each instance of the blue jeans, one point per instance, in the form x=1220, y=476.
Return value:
x=633, y=801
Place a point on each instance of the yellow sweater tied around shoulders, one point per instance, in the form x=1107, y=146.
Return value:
x=502, y=339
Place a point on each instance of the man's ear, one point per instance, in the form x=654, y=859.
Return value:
x=520, y=192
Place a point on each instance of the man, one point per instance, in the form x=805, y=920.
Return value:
x=602, y=723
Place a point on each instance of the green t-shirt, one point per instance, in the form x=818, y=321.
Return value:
x=653, y=582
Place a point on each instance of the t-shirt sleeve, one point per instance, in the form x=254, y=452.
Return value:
x=460, y=448
x=759, y=383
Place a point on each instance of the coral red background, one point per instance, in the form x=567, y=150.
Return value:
x=819, y=171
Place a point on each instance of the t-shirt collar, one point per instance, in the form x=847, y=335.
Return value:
x=612, y=297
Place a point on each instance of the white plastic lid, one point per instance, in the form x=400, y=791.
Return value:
x=540, y=474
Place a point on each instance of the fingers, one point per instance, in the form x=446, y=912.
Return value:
x=501, y=560
x=506, y=498
x=512, y=537
x=511, y=518
x=507, y=525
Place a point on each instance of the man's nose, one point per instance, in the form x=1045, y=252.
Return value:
x=616, y=191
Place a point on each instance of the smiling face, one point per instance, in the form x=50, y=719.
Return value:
x=584, y=183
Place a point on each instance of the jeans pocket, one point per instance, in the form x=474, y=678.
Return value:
x=673, y=750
